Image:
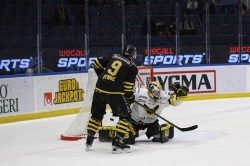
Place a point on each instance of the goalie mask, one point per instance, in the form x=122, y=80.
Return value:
x=154, y=90
x=129, y=51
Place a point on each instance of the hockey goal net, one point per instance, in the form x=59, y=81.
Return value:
x=77, y=130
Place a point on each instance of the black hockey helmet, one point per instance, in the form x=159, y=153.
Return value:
x=129, y=51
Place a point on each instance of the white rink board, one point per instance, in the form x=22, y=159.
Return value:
x=57, y=92
x=16, y=96
x=226, y=79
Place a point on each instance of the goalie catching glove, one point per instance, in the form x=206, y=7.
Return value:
x=182, y=91
x=130, y=99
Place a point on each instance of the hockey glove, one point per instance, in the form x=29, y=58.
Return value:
x=175, y=87
x=130, y=99
x=182, y=91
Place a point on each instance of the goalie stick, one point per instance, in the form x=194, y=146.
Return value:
x=181, y=129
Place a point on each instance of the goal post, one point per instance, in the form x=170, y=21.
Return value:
x=78, y=128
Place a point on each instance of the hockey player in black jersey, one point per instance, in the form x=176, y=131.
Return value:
x=116, y=78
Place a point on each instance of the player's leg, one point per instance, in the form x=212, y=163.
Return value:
x=98, y=109
x=121, y=108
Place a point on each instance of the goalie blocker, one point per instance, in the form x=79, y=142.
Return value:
x=107, y=133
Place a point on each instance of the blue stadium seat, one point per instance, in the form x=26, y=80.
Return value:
x=118, y=31
x=107, y=41
x=8, y=10
x=141, y=2
x=182, y=9
x=109, y=31
x=225, y=29
x=32, y=11
x=245, y=39
x=73, y=21
x=95, y=21
x=214, y=30
x=10, y=2
x=94, y=10
x=186, y=40
x=95, y=31
x=235, y=29
x=71, y=31
x=194, y=18
x=136, y=30
x=131, y=10
x=155, y=18
x=72, y=10
x=68, y=42
x=22, y=2
x=133, y=21
x=117, y=10
x=44, y=31
x=171, y=39
x=156, y=10
x=142, y=10
x=7, y=21
x=31, y=21
x=80, y=42
x=58, y=31
x=107, y=21
x=168, y=9
x=118, y=21
x=221, y=19
x=5, y=32
x=198, y=40
x=21, y=11
x=117, y=41
x=232, y=19
x=30, y=31
x=216, y=40
x=82, y=31
x=4, y=42
x=218, y=9
x=200, y=30
x=168, y=19
x=211, y=20
x=159, y=41
x=135, y=41
x=230, y=39
x=106, y=11
x=245, y=19
x=173, y=2
x=153, y=2
x=47, y=11
x=45, y=42
x=15, y=42
x=17, y=32
x=19, y=21
x=29, y=42
x=94, y=42
x=50, y=2
x=55, y=42
x=162, y=2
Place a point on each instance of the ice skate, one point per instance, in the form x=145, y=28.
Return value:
x=119, y=146
x=89, y=141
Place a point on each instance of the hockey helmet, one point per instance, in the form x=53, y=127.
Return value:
x=129, y=51
x=154, y=90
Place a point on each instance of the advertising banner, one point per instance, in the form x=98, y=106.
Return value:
x=16, y=61
x=16, y=96
x=55, y=92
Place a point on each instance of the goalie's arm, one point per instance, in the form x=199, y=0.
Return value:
x=180, y=93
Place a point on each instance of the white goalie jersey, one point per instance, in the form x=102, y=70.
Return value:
x=141, y=115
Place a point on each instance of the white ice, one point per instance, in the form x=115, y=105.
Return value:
x=222, y=139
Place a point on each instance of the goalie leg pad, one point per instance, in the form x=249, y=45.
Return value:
x=106, y=133
x=164, y=133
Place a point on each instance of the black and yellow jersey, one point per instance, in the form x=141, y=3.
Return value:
x=116, y=74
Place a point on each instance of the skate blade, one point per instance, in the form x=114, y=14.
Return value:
x=119, y=151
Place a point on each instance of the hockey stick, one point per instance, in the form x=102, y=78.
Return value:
x=181, y=129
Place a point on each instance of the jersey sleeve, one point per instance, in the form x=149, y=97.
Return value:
x=99, y=64
x=129, y=83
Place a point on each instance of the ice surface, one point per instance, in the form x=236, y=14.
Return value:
x=222, y=139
